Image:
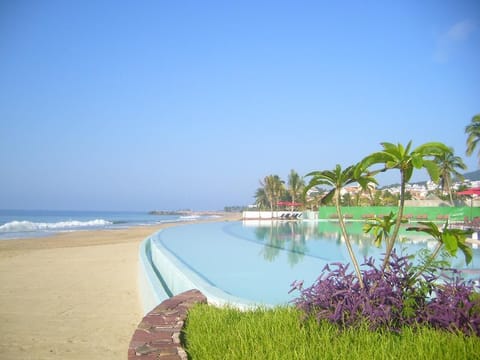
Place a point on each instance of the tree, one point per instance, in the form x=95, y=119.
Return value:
x=274, y=188
x=405, y=160
x=389, y=199
x=338, y=179
x=261, y=199
x=295, y=185
x=448, y=164
x=346, y=199
x=408, y=195
x=376, y=199
x=473, y=132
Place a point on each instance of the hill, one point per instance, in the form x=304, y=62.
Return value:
x=473, y=175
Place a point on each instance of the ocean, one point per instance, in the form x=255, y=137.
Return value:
x=15, y=224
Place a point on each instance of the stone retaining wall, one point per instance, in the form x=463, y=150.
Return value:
x=158, y=334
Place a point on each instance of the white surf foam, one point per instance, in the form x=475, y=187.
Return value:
x=189, y=217
x=27, y=226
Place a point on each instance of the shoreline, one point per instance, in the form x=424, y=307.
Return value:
x=99, y=236
x=73, y=295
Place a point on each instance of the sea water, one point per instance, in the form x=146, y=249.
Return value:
x=16, y=224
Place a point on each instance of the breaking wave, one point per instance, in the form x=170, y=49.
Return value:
x=29, y=226
x=189, y=217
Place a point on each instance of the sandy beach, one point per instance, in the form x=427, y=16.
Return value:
x=71, y=296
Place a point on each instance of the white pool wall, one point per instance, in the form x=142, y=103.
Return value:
x=155, y=260
x=152, y=291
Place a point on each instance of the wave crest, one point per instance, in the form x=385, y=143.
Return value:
x=26, y=226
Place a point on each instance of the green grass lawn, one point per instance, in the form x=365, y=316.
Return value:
x=279, y=333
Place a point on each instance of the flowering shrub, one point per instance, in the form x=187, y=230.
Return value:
x=391, y=298
x=455, y=306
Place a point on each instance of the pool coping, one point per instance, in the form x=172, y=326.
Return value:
x=158, y=335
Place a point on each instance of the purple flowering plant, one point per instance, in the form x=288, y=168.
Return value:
x=393, y=298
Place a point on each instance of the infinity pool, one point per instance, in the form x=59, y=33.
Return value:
x=252, y=262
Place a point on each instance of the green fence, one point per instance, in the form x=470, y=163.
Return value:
x=420, y=213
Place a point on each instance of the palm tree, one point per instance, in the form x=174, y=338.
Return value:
x=473, y=132
x=295, y=185
x=261, y=199
x=448, y=164
x=274, y=188
x=338, y=179
x=405, y=160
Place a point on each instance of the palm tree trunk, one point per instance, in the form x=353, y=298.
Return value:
x=398, y=222
x=449, y=189
x=271, y=207
x=347, y=239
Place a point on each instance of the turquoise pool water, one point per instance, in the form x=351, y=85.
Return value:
x=258, y=262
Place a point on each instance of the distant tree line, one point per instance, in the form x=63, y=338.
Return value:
x=273, y=191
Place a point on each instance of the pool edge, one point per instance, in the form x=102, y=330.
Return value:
x=161, y=276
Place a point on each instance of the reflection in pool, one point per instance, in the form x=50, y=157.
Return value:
x=258, y=261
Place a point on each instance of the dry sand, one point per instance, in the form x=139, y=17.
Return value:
x=71, y=296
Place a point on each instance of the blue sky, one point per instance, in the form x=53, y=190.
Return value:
x=139, y=105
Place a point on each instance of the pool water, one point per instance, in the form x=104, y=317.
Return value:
x=258, y=262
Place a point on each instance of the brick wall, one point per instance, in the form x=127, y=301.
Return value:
x=158, y=334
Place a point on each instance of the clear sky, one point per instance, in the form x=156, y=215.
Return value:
x=140, y=105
